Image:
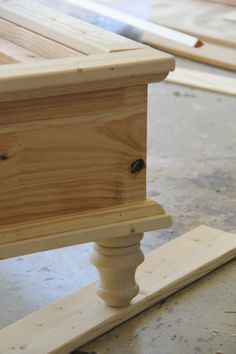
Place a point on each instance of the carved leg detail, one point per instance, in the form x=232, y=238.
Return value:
x=117, y=261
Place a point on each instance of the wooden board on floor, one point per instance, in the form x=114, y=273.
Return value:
x=203, y=80
x=77, y=319
x=208, y=52
x=199, y=18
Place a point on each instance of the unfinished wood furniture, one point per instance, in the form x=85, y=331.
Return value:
x=73, y=142
x=73, y=118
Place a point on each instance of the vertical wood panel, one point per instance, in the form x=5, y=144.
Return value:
x=72, y=153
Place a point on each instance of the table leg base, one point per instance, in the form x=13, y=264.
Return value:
x=77, y=319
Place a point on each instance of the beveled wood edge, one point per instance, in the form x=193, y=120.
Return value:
x=81, y=74
x=107, y=223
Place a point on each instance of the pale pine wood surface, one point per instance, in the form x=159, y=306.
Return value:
x=17, y=53
x=209, y=53
x=72, y=153
x=97, y=225
x=198, y=17
x=40, y=45
x=64, y=29
x=81, y=317
x=111, y=59
x=86, y=73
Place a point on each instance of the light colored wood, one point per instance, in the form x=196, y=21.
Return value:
x=83, y=74
x=209, y=53
x=18, y=54
x=199, y=18
x=5, y=59
x=203, y=80
x=41, y=45
x=62, y=28
x=84, y=87
x=103, y=224
x=117, y=261
x=135, y=22
x=77, y=319
x=72, y=153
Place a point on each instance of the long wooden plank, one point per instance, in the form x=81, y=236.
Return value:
x=208, y=52
x=199, y=18
x=135, y=22
x=203, y=80
x=41, y=45
x=17, y=53
x=74, y=229
x=85, y=73
x=77, y=319
x=63, y=28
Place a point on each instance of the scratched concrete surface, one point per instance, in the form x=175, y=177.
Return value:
x=192, y=171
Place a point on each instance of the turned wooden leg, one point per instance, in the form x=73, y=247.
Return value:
x=117, y=261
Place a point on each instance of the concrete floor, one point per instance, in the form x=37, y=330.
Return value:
x=192, y=172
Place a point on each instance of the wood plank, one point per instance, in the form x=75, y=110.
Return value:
x=105, y=224
x=199, y=18
x=18, y=54
x=62, y=28
x=209, y=53
x=5, y=59
x=71, y=153
x=77, y=319
x=38, y=44
x=203, y=80
x=85, y=73
x=135, y=22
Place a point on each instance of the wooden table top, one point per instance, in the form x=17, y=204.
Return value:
x=47, y=52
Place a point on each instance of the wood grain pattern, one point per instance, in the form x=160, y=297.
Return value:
x=17, y=53
x=5, y=59
x=84, y=73
x=40, y=45
x=71, y=153
x=209, y=53
x=199, y=18
x=101, y=224
x=63, y=28
x=77, y=319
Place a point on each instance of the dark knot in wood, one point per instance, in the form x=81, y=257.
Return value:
x=137, y=166
x=3, y=157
